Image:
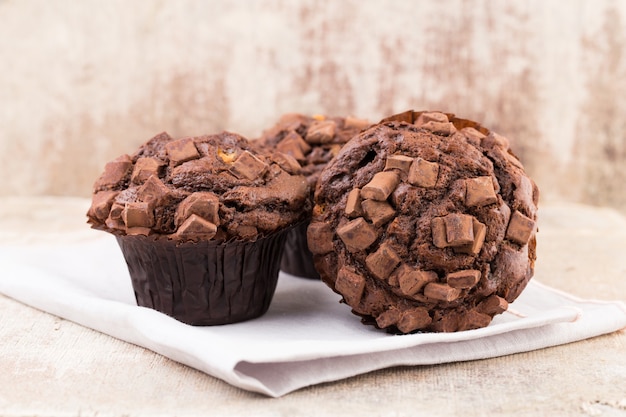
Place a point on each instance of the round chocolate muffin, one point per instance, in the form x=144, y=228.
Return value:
x=201, y=222
x=425, y=222
x=312, y=141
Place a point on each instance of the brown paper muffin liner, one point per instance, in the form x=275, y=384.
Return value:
x=205, y=283
x=297, y=259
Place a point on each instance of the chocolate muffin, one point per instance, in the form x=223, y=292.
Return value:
x=312, y=141
x=425, y=222
x=201, y=222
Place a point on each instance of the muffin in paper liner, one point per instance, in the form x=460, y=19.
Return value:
x=204, y=283
x=202, y=223
x=313, y=141
x=425, y=222
x=297, y=259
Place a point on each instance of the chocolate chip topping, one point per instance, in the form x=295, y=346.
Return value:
x=426, y=222
x=312, y=140
x=199, y=188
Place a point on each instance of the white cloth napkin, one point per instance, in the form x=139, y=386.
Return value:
x=306, y=337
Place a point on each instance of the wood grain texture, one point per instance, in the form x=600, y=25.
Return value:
x=87, y=81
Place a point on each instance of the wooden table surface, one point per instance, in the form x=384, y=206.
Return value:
x=53, y=367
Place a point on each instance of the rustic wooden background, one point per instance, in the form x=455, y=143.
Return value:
x=82, y=82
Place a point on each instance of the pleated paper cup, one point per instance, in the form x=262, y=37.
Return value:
x=297, y=259
x=204, y=283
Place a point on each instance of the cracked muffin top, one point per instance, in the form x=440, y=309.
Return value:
x=199, y=188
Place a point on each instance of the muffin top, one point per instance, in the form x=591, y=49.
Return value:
x=312, y=140
x=199, y=188
x=425, y=222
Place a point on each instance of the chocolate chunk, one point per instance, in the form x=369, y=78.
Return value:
x=378, y=212
x=196, y=228
x=381, y=186
x=357, y=234
x=114, y=172
x=399, y=162
x=115, y=221
x=353, y=203
x=181, y=150
x=441, y=292
x=512, y=269
x=388, y=318
x=414, y=319
x=153, y=191
x=248, y=166
x=320, y=238
x=479, y=192
x=520, y=228
x=423, y=173
x=472, y=134
x=463, y=279
x=525, y=194
x=101, y=204
x=350, y=285
x=493, y=305
x=138, y=214
x=493, y=140
x=440, y=237
x=288, y=147
x=403, y=192
x=145, y=168
x=202, y=203
x=412, y=280
x=439, y=128
x=293, y=144
x=287, y=162
x=321, y=132
x=480, y=232
x=433, y=116
x=459, y=229
x=382, y=262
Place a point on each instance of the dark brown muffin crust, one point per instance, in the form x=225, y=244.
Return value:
x=425, y=222
x=198, y=188
x=312, y=140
